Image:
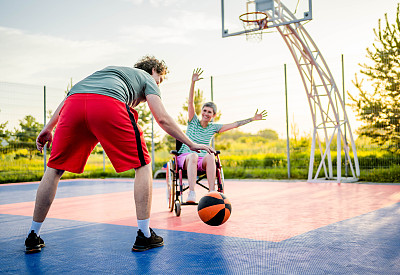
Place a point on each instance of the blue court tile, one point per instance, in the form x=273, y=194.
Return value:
x=367, y=244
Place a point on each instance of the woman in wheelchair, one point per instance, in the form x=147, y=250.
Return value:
x=201, y=131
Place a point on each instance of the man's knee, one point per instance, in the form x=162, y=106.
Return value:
x=60, y=172
x=143, y=169
x=56, y=172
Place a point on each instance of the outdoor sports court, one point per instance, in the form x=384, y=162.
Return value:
x=276, y=227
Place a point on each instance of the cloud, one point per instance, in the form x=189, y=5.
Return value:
x=152, y=34
x=135, y=2
x=155, y=3
x=193, y=21
x=178, y=28
x=164, y=3
x=24, y=54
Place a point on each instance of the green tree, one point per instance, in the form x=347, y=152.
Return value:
x=234, y=134
x=299, y=143
x=169, y=143
x=226, y=140
x=26, y=136
x=379, y=109
x=268, y=134
x=69, y=86
x=4, y=137
x=3, y=131
x=144, y=122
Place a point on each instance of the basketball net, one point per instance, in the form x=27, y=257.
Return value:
x=254, y=23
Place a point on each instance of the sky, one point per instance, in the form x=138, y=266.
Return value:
x=49, y=42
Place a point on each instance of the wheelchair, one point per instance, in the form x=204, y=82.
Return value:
x=176, y=186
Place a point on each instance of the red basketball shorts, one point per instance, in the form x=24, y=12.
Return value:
x=85, y=120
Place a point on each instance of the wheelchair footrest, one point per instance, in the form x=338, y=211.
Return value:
x=189, y=203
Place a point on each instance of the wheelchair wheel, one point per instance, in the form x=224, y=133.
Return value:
x=170, y=186
x=220, y=180
x=177, y=208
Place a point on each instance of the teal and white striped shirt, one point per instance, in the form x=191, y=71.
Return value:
x=199, y=135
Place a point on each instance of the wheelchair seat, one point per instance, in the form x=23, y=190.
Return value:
x=176, y=175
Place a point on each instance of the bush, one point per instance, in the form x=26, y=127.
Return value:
x=378, y=167
x=391, y=174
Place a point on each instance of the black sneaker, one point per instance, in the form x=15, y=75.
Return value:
x=142, y=243
x=33, y=243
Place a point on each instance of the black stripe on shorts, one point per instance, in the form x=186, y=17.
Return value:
x=137, y=134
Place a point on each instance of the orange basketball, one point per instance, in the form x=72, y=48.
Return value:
x=214, y=208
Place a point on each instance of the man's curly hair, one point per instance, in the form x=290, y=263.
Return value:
x=147, y=63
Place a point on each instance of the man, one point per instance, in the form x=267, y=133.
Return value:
x=100, y=109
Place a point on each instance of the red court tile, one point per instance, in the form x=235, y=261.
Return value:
x=270, y=211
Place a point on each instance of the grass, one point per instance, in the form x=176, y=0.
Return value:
x=255, y=163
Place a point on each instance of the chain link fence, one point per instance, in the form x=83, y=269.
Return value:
x=256, y=150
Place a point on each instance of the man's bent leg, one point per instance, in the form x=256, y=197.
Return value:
x=143, y=191
x=44, y=198
x=46, y=193
x=146, y=238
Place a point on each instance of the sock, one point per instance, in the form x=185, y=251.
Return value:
x=35, y=227
x=144, y=226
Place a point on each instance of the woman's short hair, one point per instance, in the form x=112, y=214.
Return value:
x=148, y=63
x=211, y=105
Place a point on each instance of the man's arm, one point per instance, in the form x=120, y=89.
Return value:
x=236, y=124
x=191, y=108
x=168, y=124
x=46, y=135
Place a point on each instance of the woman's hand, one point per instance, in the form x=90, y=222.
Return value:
x=260, y=116
x=196, y=74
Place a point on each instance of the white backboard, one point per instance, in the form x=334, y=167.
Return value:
x=232, y=9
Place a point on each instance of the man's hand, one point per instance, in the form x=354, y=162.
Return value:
x=196, y=74
x=197, y=147
x=45, y=136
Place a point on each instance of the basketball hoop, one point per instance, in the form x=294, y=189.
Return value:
x=254, y=23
